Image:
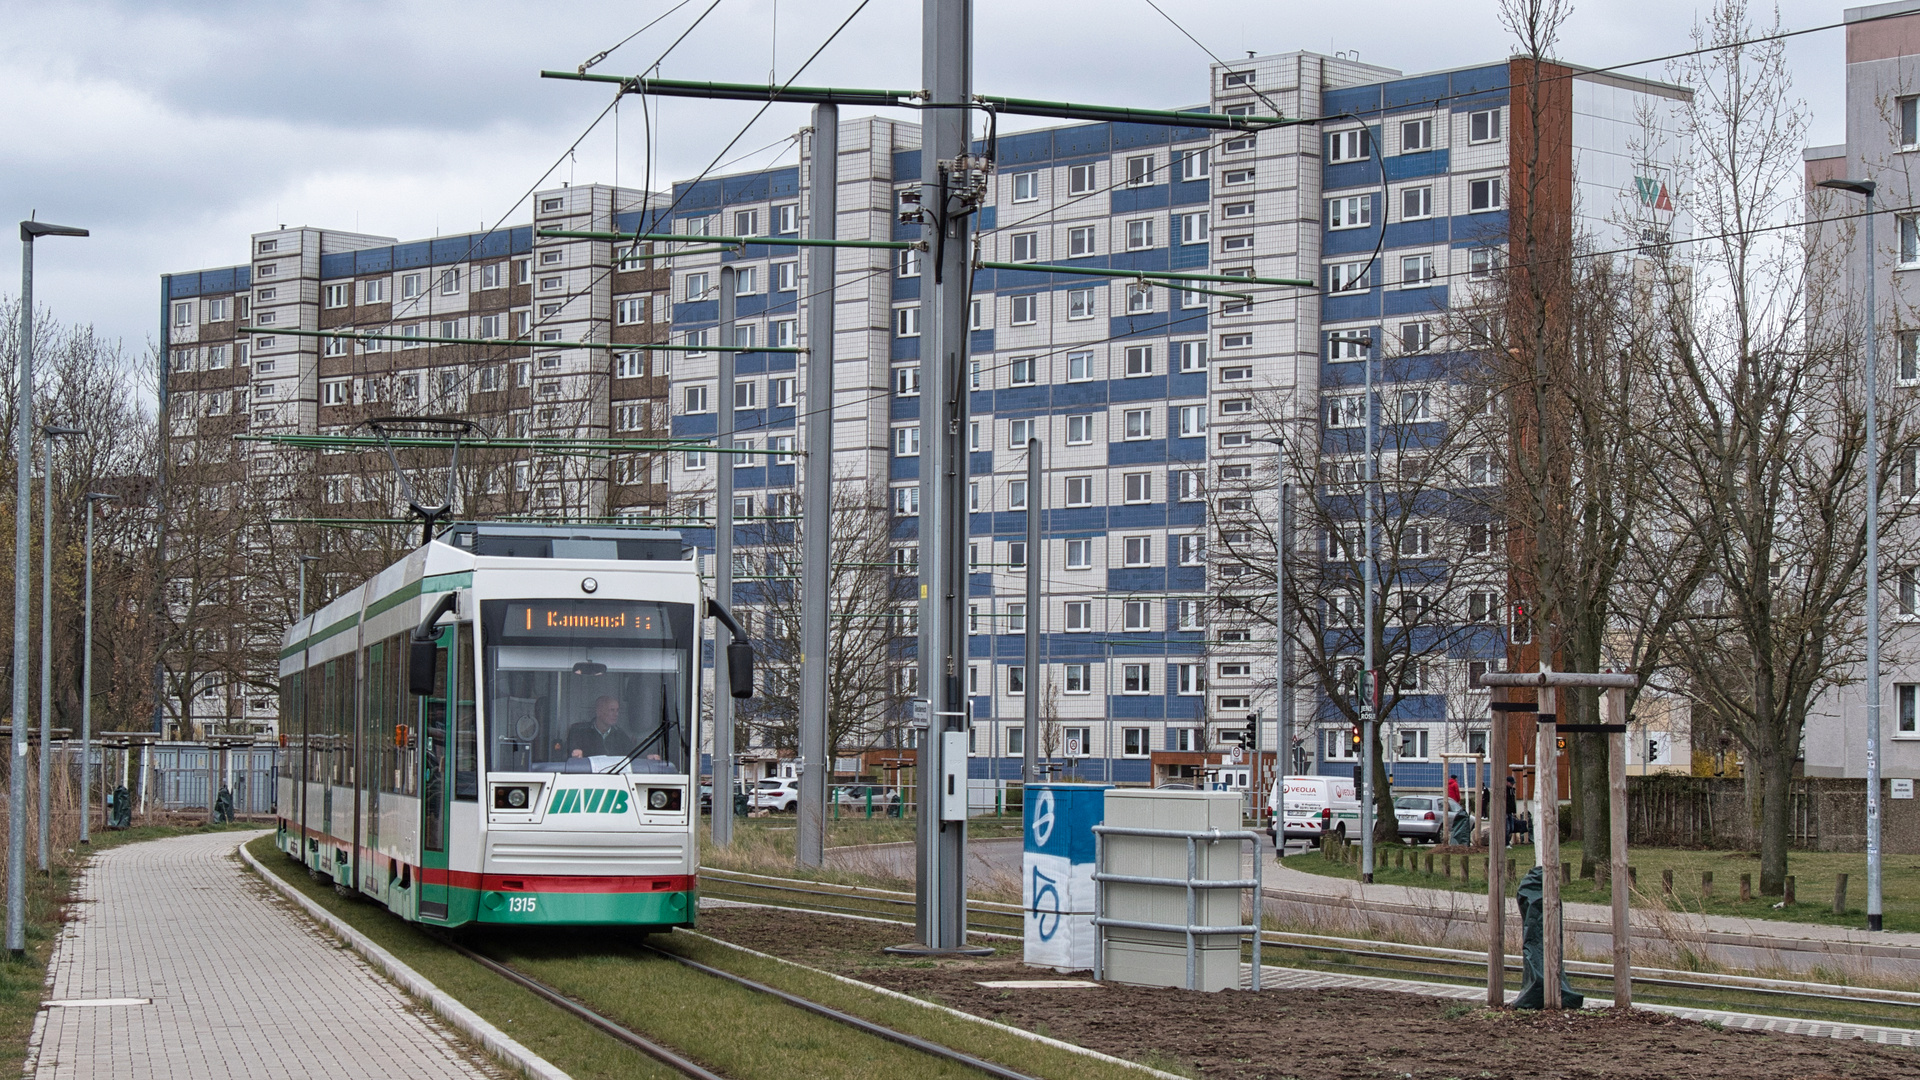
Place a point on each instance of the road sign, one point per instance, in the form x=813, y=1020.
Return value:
x=1073, y=746
x=1239, y=754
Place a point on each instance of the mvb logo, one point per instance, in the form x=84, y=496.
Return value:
x=589, y=801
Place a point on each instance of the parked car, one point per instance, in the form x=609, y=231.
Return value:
x=706, y=798
x=854, y=796
x=1425, y=817
x=775, y=794
x=1311, y=808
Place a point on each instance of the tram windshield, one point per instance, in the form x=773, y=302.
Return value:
x=588, y=685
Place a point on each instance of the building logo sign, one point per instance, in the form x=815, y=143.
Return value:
x=1653, y=193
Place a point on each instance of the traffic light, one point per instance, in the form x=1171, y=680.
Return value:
x=1560, y=743
x=1253, y=730
x=1354, y=735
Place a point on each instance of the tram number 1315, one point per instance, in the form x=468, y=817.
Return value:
x=522, y=903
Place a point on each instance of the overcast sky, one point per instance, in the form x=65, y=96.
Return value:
x=173, y=130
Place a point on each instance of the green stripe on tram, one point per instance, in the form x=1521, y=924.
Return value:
x=571, y=908
x=435, y=584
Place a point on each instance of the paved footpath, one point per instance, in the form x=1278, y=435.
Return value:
x=223, y=980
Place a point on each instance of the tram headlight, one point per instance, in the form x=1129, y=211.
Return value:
x=510, y=797
x=661, y=798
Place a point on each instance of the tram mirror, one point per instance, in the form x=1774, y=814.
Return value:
x=589, y=667
x=420, y=663
x=740, y=668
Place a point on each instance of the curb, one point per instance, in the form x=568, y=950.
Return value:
x=443, y=1004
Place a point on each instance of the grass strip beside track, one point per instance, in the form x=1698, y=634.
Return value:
x=23, y=981
x=571, y=1044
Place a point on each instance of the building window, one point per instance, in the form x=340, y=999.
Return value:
x=1413, y=744
x=1189, y=679
x=1347, y=411
x=906, y=322
x=1909, y=225
x=1136, y=679
x=1416, y=271
x=906, y=501
x=1235, y=177
x=1079, y=557
x=906, y=442
x=339, y=295
x=1348, y=276
x=910, y=263
x=1138, y=487
x=1353, y=145
x=449, y=282
x=1079, y=367
x=1080, y=179
x=1139, y=234
x=336, y=391
x=1483, y=126
x=1139, y=361
x=1080, y=304
x=1024, y=310
x=1190, y=615
x=1080, y=241
x=1193, y=228
x=1415, y=203
x=1193, y=356
x=1133, y=742
x=1137, y=550
x=1416, y=337
x=1483, y=195
x=1076, y=679
x=1908, y=697
x=1140, y=170
x=1016, y=741
x=906, y=383
x=1348, y=345
x=1016, y=687
x=1139, y=423
x=1139, y=299
x=1350, y=212
x=1193, y=421
x=1020, y=372
x=1016, y=494
x=1190, y=486
x=1415, y=136
x=1025, y=247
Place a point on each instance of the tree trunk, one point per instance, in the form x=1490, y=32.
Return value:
x=1775, y=765
x=1593, y=812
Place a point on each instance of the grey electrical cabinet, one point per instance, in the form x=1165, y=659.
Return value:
x=1162, y=957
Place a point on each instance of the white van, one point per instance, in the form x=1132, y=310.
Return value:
x=1306, y=806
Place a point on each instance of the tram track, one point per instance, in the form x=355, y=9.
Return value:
x=1354, y=956
x=686, y=1066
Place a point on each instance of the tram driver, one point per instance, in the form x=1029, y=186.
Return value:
x=603, y=735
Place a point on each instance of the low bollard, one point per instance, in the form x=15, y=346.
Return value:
x=1706, y=884
x=1666, y=883
x=1446, y=866
x=1746, y=887
x=1840, y=895
x=1566, y=874
x=1788, y=897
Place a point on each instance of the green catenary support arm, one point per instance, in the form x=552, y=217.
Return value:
x=730, y=241
x=1150, y=275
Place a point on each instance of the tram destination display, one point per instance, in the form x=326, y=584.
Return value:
x=550, y=620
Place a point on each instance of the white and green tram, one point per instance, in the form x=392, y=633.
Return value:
x=500, y=728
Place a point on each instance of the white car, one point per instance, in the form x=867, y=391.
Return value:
x=1311, y=807
x=773, y=794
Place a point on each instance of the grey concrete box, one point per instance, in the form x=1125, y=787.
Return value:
x=1159, y=958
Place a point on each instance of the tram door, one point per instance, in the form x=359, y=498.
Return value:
x=434, y=760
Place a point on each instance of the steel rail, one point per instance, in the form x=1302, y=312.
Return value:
x=685, y=1066
x=913, y=1042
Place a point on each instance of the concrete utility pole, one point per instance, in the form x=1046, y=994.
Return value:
x=1283, y=730
x=1030, y=706
x=1866, y=188
x=722, y=817
x=22, y=545
x=1370, y=711
x=948, y=199
x=816, y=527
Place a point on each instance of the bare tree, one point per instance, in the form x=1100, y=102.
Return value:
x=1765, y=466
x=871, y=595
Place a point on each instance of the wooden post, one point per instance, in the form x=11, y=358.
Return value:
x=1840, y=894
x=1746, y=887
x=1446, y=866
x=1496, y=859
x=1788, y=898
x=1666, y=883
x=1706, y=884
x=1618, y=873
x=1546, y=794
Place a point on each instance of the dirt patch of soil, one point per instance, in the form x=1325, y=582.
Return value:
x=1313, y=1034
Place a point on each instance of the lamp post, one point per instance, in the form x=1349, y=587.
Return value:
x=48, y=433
x=1866, y=188
x=304, y=560
x=86, y=685
x=22, y=539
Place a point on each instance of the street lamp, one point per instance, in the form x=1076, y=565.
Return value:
x=304, y=560
x=22, y=539
x=48, y=433
x=86, y=685
x=1866, y=188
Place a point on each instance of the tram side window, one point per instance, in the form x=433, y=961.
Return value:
x=379, y=735
x=466, y=746
x=290, y=762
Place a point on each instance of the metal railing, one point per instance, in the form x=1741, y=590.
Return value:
x=1192, y=883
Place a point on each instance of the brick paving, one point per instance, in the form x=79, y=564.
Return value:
x=240, y=985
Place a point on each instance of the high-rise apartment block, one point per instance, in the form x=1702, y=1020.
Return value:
x=1163, y=414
